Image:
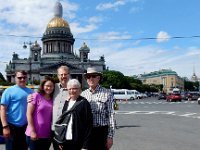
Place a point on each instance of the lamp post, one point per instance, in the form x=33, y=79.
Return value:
x=29, y=61
x=164, y=83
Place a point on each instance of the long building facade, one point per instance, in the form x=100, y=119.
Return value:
x=166, y=77
x=57, y=49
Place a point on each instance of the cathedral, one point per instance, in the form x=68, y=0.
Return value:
x=57, y=50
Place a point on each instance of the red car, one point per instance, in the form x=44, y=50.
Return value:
x=173, y=97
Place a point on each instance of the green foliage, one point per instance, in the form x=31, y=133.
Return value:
x=2, y=78
x=6, y=83
x=36, y=82
x=118, y=81
x=55, y=78
x=115, y=79
x=191, y=86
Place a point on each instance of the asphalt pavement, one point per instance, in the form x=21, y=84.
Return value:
x=151, y=124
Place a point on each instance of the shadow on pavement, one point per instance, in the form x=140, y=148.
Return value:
x=127, y=126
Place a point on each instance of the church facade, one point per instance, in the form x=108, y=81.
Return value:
x=57, y=50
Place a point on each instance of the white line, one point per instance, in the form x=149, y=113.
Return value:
x=189, y=114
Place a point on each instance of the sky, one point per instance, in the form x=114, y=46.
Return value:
x=135, y=36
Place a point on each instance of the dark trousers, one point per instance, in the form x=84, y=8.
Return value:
x=17, y=141
x=39, y=144
x=99, y=138
x=70, y=145
x=55, y=144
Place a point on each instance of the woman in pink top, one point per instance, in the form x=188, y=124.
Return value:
x=39, y=116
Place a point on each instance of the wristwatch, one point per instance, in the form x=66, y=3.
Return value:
x=6, y=126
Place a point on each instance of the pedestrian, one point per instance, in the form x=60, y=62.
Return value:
x=59, y=97
x=13, y=112
x=101, y=101
x=39, y=116
x=80, y=122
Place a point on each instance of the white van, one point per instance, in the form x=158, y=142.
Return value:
x=123, y=94
x=136, y=94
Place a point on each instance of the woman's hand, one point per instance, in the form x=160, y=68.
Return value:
x=34, y=136
x=61, y=147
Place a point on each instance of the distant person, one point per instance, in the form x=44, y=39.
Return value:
x=39, y=115
x=13, y=113
x=59, y=96
x=101, y=101
x=80, y=122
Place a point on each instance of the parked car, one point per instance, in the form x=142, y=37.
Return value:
x=198, y=101
x=161, y=96
x=193, y=96
x=173, y=97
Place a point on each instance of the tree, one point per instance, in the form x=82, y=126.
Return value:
x=2, y=78
x=191, y=86
x=115, y=79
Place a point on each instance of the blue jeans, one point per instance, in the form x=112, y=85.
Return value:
x=40, y=144
x=17, y=141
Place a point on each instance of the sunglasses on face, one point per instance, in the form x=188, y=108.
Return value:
x=91, y=76
x=20, y=78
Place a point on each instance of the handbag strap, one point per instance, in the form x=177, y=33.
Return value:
x=73, y=107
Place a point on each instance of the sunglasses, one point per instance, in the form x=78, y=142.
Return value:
x=20, y=78
x=91, y=76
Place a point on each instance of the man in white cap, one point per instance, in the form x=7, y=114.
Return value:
x=101, y=101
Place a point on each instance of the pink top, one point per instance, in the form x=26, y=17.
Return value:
x=42, y=116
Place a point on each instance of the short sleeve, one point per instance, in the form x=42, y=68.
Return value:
x=36, y=97
x=5, y=97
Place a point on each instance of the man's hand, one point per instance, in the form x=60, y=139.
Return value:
x=6, y=132
x=29, y=98
x=109, y=143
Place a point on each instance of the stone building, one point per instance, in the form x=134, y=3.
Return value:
x=57, y=49
x=166, y=77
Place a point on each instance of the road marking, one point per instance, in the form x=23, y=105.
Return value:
x=123, y=102
x=174, y=113
x=189, y=114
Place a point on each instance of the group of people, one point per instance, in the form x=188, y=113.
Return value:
x=28, y=118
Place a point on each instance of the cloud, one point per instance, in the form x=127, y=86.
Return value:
x=114, y=6
x=114, y=36
x=136, y=60
x=78, y=29
x=30, y=17
x=162, y=36
x=95, y=19
x=135, y=10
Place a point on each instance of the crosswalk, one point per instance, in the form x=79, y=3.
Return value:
x=159, y=102
x=174, y=113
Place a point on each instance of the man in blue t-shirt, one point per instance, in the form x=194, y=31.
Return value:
x=13, y=113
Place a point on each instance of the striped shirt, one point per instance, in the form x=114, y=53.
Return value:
x=101, y=101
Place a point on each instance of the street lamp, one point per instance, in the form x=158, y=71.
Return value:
x=27, y=43
x=30, y=61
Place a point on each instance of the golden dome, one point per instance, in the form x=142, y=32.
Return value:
x=57, y=22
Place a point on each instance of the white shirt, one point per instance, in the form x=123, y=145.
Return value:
x=69, y=127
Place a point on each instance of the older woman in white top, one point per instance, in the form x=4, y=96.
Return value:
x=80, y=124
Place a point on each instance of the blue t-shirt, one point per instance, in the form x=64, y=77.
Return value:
x=15, y=98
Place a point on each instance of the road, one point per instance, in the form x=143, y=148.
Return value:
x=151, y=124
